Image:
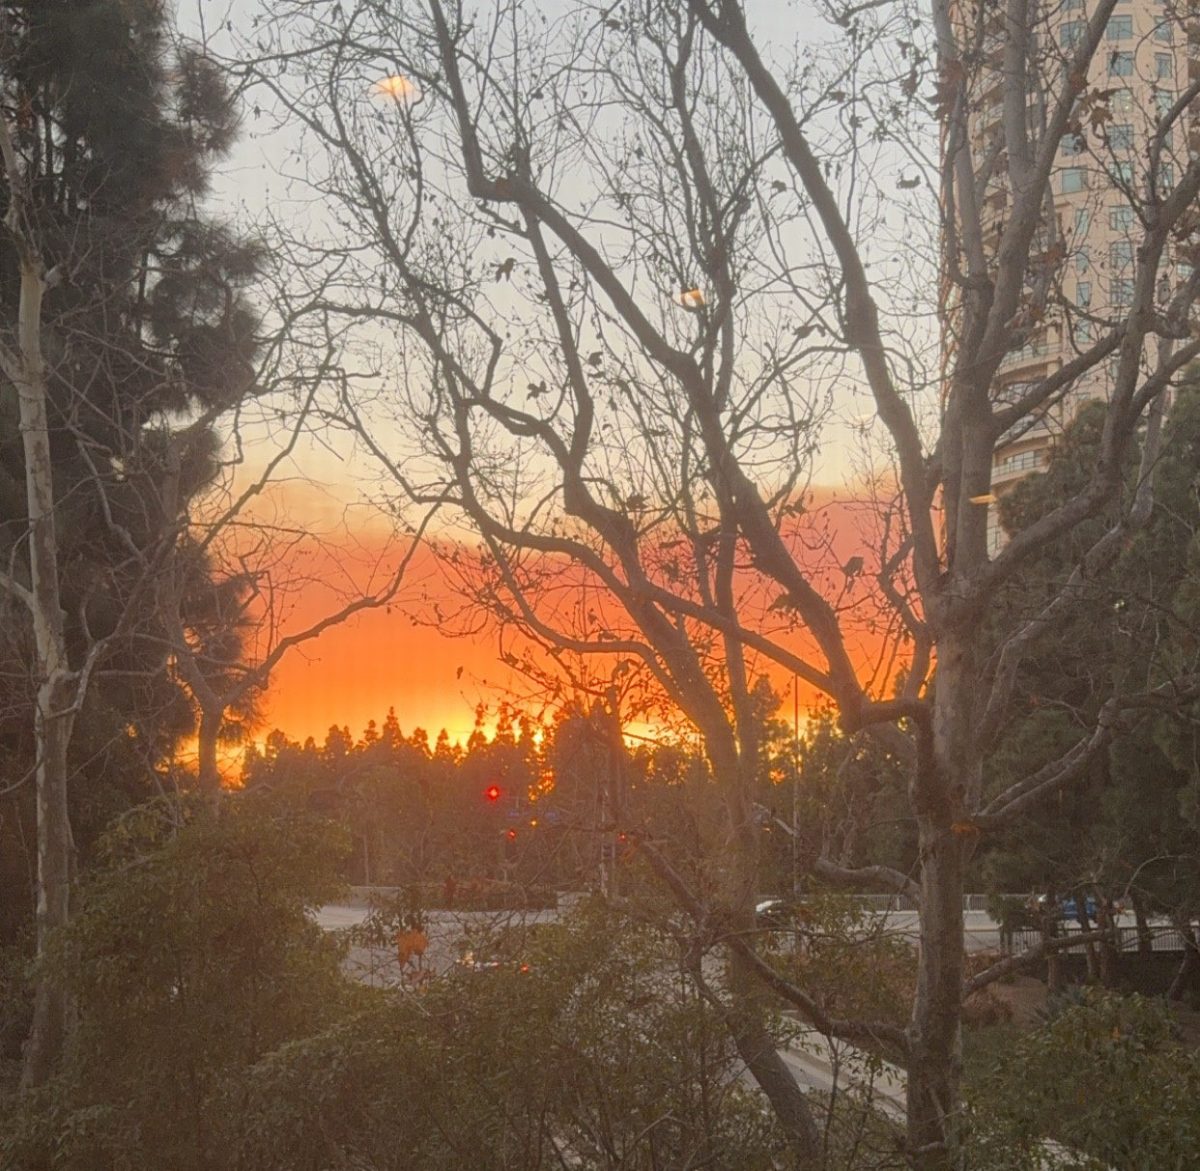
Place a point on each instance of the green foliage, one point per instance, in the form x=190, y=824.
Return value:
x=216, y=1033
x=1122, y=829
x=117, y=124
x=847, y=958
x=853, y=798
x=1105, y=1077
x=191, y=957
x=595, y=1052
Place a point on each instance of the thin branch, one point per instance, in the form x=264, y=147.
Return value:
x=1030, y=956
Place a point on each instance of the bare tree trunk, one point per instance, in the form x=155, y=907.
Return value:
x=55, y=851
x=933, y=1072
x=1054, y=979
x=208, y=770
x=1191, y=960
x=746, y=1021
x=1145, y=941
x=756, y=1047
x=1109, y=945
x=1095, y=973
x=56, y=686
x=939, y=791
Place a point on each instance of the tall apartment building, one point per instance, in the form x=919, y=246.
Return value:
x=1100, y=176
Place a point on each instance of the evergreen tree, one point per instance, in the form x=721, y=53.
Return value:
x=1124, y=831
x=146, y=339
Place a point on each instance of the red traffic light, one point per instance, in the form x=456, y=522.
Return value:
x=511, y=835
x=492, y=792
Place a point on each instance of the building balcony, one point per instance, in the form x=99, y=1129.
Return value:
x=1016, y=466
x=1029, y=354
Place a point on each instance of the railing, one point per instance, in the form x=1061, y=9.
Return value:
x=1125, y=939
x=1025, y=461
x=1026, y=353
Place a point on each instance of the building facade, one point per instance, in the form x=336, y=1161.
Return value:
x=1113, y=154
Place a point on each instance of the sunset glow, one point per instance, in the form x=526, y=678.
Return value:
x=402, y=655
x=396, y=87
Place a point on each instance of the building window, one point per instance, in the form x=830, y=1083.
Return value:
x=1120, y=219
x=1121, y=101
x=1083, y=294
x=1162, y=32
x=1072, y=144
x=1083, y=220
x=1120, y=136
x=1081, y=330
x=1184, y=270
x=1120, y=254
x=1164, y=99
x=1166, y=178
x=1120, y=28
x=1072, y=33
x=1164, y=64
x=1120, y=63
x=1121, y=173
x=1083, y=260
x=1121, y=292
x=1073, y=179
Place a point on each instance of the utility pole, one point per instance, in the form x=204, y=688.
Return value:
x=795, y=786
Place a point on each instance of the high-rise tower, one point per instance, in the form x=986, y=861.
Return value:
x=1114, y=156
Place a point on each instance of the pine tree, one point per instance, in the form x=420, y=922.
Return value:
x=141, y=340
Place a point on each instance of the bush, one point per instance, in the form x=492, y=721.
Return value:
x=191, y=956
x=595, y=1052
x=1105, y=1077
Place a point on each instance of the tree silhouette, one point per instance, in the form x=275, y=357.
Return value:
x=696, y=258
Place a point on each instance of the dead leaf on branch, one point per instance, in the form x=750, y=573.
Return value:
x=947, y=89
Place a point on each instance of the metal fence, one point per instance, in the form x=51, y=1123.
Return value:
x=1125, y=939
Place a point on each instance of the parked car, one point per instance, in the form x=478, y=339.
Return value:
x=1068, y=908
x=775, y=914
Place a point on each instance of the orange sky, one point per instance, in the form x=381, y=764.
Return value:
x=380, y=658
x=377, y=658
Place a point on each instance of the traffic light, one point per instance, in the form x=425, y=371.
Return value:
x=511, y=834
x=492, y=793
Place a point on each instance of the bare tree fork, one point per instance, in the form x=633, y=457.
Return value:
x=853, y=877
x=857, y=877
x=1116, y=715
x=758, y=1050
x=756, y=524
x=860, y=317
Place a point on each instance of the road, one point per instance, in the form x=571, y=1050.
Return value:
x=450, y=934
x=817, y=1064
